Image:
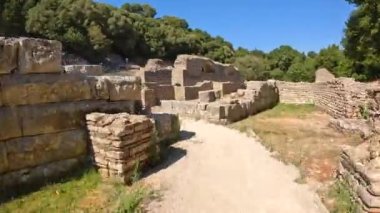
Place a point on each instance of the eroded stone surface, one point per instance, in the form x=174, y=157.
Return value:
x=39, y=56
x=119, y=142
x=84, y=69
x=8, y=55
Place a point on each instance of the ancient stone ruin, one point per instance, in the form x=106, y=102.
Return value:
x=120, y=143
x=56, y=118
x=43, y=130
x=199, y=87
x=354, y=107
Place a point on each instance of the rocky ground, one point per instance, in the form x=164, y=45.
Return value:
x=217, y=169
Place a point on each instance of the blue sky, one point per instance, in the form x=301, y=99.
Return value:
x=263, y=24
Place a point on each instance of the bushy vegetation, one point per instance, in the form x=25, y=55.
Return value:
x=93, y=30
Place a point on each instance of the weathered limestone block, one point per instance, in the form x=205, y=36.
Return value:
x=148, y=97
x=41, y=149
x=167, y=126
x=191, y=92
x=3, y=158
x=99, y=87
x=227, y=87
x=190, y=69
x=216, y=111
x=84, y=69
x=9, y=123
x=207, y=96
x=39, y=174
x=235, y=112
x=156, y=71
x=124, y=88
x=8, y=55
x=165, y=92
x=58, y=117
x=154, y=65
x=43, y=88
x=128, y=137
x=39, y=56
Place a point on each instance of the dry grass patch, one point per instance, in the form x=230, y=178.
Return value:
x=300, y=135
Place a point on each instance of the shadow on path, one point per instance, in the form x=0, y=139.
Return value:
x=172, y=154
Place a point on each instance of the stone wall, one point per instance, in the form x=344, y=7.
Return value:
x=237, y=106
x=296, y=93
x=360, y=165
x=341, y=97
x=190, y=71
x=42, y=129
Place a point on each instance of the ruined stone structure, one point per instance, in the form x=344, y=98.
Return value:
x=341, y=97
x=296, y=93
x=190, y=75
x=245, y=102
x=42, y=110
x=360, y=166
x=120, y=143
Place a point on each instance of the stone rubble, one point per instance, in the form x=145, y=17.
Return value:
x=120, y=143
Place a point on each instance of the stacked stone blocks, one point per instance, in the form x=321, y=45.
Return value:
x=120, y=143
x=43, y=129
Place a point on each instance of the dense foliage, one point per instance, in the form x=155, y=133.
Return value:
x=93, y=30
x=362, y=39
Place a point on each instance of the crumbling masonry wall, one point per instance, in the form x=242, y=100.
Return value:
x=341, y=97
x=190, y=75
x=42, y=110
x=258, y=97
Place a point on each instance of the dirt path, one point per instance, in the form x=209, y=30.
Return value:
x=222, y=170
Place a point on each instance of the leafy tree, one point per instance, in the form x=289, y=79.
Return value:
x=144, y=10
x=283, y=57
x=302, y=71
x=13, y=16
x=362, y=38
x=330, y=58
x=252, y=67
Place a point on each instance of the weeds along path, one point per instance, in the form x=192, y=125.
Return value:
x=217, y=169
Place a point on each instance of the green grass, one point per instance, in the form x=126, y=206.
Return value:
x=343, y=200
x=56, y=197
x=85, y=193
x=288, y=110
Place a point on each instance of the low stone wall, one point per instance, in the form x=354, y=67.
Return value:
x=183, y=93
x=341, y=97
x=43, y=130
x=228, y=109
x=359, y=167
x=296, y=93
